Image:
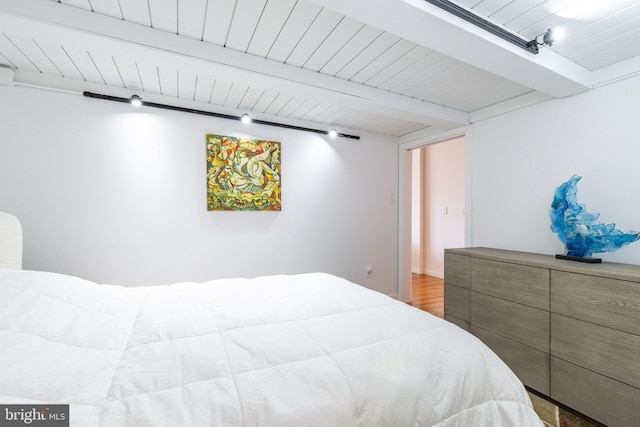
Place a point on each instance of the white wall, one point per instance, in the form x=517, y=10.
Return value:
x=444, y=202
x=519, y=159
x=437, y=204
x=118, y=195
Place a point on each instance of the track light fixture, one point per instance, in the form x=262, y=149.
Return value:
x=548, y=39
x=333, y=133
x=136, y=100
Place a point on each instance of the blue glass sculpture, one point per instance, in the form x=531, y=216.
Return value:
x=578, y=229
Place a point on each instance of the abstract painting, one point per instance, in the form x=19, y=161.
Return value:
x=243, y=174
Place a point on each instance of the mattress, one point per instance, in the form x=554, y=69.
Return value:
x=289, y=350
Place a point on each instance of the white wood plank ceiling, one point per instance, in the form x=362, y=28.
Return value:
x=321, y=64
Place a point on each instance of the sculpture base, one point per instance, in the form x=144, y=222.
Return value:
x=580, y=259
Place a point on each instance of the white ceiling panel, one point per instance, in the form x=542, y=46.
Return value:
x=168, y=77
x=220, y=92
x=383, y=61
x=107, y=69
x=107, y=7
x=136, y=11
x=245, y=19
x=85, y=65
x=538, y=19
x=292, y=105
x=191, y=17
x=13, y=55
x=316, y=34
x=204, y=87
x=360, y=41
x=264, y=102
x=236, y=94
x=278, y=104
x=163, y=15
x=149, y=77
x=31, y=50
x=84, y=4
x=294, y=29
x=487, y=7
x=187, y=84
x=316, y=111
x=128, y=73
x=441, y=68
x=595, y=58
x=274, y=16
x=345, y=30
x=250, y=98
x=59, y=57
x=439, y=85
x=415, y=74
x=322, y=62
x=402, y=64
x=217, y=21
x=604, y=33
x=304, y=109
x=332, y=114
x=513, y=10
x=484, y=91
x=373, y=51
x=375, y=123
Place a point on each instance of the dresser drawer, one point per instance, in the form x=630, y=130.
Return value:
x=607, y=302
x=520, y=323
x=609, y=352
x=518, y=283
x=457, y=270
x=530, y=365
x=606, y=400
x=457, y=302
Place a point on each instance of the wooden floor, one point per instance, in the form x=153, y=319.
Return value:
x=427, y=293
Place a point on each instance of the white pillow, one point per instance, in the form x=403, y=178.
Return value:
x=10, y=242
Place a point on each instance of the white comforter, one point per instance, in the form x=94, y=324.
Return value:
x=302, y=350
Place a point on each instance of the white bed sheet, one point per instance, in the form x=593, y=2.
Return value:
x=300, y=350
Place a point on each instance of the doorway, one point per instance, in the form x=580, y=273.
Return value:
x=437, y=206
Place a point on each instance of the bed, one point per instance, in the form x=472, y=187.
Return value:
x=290, y=350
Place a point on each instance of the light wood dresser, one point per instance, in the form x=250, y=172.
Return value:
x=569, y=330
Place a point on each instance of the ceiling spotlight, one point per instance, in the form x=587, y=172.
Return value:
x=552, y=36
x=135, y=100
x=333, y=133
x=245, y=118
x=548, y=39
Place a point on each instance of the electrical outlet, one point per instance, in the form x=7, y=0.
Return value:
x=369, y=271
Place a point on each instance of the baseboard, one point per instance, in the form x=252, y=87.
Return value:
x=433, y=273
x=438, y=274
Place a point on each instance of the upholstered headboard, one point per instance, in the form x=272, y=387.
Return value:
x=10, y=242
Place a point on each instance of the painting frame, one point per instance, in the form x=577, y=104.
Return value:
x=243, y=174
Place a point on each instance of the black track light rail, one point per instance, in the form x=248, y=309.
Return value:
x=212, y=114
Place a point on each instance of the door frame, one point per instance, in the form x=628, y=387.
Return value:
x=406, y=144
